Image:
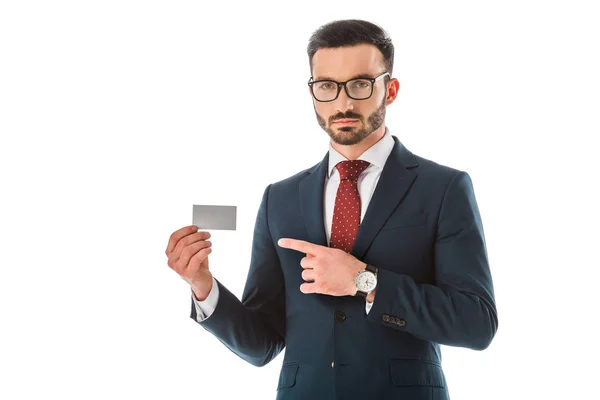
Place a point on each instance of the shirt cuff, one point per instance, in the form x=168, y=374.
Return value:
x=368, y=306
x=205, y=308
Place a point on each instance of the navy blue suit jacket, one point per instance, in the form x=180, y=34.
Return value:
x=423, y=230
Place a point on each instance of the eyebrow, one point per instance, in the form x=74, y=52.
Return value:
x=367, y=76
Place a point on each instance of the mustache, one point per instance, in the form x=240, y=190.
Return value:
x=342, y=116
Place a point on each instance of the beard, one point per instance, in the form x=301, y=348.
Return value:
x=349, y=135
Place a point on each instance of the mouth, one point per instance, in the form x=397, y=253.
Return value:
x=345, y=121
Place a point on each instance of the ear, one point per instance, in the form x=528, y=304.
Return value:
x=393, y=89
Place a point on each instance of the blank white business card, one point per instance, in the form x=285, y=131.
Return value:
x=215, y=217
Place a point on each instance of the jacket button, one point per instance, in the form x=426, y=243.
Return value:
x=332, y=364
x=386, y=318
x=401, y=322
x=340, y=316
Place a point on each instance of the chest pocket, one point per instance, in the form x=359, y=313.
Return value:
x=397, y=221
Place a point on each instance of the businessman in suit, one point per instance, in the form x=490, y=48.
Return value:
x=363, y=264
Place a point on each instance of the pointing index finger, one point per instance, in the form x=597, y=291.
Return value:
x=299, y=245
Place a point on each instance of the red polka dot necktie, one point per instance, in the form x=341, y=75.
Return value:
x=346, y=212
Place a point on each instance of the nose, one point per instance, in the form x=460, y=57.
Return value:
x=343, y=102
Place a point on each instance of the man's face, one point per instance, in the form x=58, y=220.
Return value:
x=341, y=64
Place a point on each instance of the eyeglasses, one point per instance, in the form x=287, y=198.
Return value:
x=358, y=89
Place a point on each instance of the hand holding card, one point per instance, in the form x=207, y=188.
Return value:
x=188, y=247
x=187, y=253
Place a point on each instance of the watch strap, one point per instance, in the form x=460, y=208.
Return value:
x=371, y=268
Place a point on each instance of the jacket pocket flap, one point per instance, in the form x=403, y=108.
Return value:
x=416, y=373
x=287, y=376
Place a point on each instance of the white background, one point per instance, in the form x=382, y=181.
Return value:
x=117, y=116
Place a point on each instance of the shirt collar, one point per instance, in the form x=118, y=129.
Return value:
x=376, y=155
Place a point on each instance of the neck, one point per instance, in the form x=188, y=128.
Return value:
x=352, y=152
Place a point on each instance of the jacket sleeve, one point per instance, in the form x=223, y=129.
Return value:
x=459, y=309
x=253, y=328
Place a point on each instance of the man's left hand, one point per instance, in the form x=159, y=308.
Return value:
x=327, y=270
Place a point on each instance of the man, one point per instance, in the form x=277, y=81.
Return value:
x=362, y=265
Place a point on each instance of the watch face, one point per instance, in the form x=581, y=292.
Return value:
x=366, y=281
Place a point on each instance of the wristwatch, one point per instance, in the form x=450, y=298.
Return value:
x=366, y=281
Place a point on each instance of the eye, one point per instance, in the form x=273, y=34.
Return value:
x=326, y=85
x=361, y=84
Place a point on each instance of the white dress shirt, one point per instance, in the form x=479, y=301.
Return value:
x=376, y=155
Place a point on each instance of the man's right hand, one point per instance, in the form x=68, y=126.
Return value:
x=188, y=252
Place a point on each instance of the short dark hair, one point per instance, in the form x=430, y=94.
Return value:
x=351, y=32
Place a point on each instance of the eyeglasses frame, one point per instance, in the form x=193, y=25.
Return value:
x=340, y=84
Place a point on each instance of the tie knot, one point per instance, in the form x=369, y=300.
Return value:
x=351, y=169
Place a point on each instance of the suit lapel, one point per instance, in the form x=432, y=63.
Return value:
x=394, y=182
x=311, y=202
